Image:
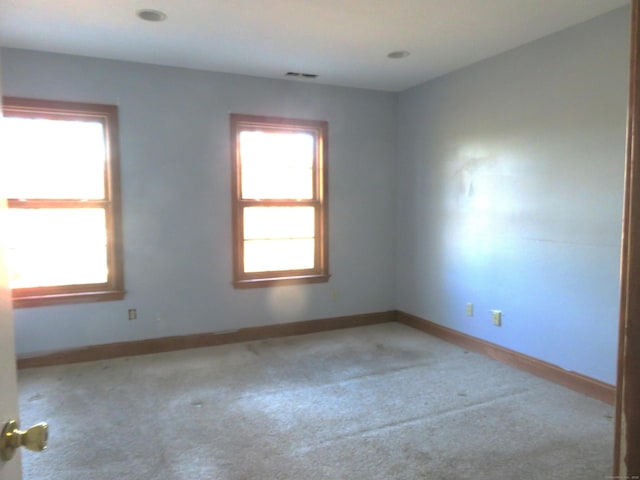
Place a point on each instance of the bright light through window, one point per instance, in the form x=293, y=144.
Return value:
x=279, y=187
x=276, y=165
x=48, y=247
x=66, y=161
x=63, y=234
x=278, y=238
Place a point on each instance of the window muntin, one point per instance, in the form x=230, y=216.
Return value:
x=279, y=200
x=61, y=164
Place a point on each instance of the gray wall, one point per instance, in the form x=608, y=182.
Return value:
x=505, y=190
x=510, y=177
x=174, y=138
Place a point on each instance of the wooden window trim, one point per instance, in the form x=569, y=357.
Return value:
x=319, y=201
x=113, y=288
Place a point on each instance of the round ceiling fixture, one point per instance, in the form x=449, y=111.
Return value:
x=152, y=15
x=399, y=54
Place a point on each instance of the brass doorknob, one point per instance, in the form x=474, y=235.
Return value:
x=34, y=438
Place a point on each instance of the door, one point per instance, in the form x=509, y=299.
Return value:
x=8, y=387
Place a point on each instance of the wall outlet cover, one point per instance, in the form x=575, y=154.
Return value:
x=496, y=316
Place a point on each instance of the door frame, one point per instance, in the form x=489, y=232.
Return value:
x=627, y=424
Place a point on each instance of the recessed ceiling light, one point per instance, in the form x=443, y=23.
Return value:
x=398, y=54
x=152, y=15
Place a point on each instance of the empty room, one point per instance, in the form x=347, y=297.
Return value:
x=434, y=293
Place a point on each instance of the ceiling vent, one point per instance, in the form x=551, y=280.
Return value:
x=301, y=75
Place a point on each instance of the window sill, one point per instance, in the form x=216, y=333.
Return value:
x=25, y=301
x=277, y=281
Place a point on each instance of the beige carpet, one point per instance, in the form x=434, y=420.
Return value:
x=379, y=402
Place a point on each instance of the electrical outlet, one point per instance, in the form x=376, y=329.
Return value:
x=469, y=309
x=133, y=314
x=496, y=316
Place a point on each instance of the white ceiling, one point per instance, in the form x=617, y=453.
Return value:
x=345, y=42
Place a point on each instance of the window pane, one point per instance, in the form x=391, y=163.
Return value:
x=48, y=247
x=277, y=184
x=54, y=158
x=276, y=165
x=276, y=255
x=279, y=222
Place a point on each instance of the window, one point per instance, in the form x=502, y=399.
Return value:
x=279, y=186
x=62, y=186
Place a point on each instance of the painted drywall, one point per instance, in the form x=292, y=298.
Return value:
x=175, y=165
x=510, y=176
x=507, y=193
